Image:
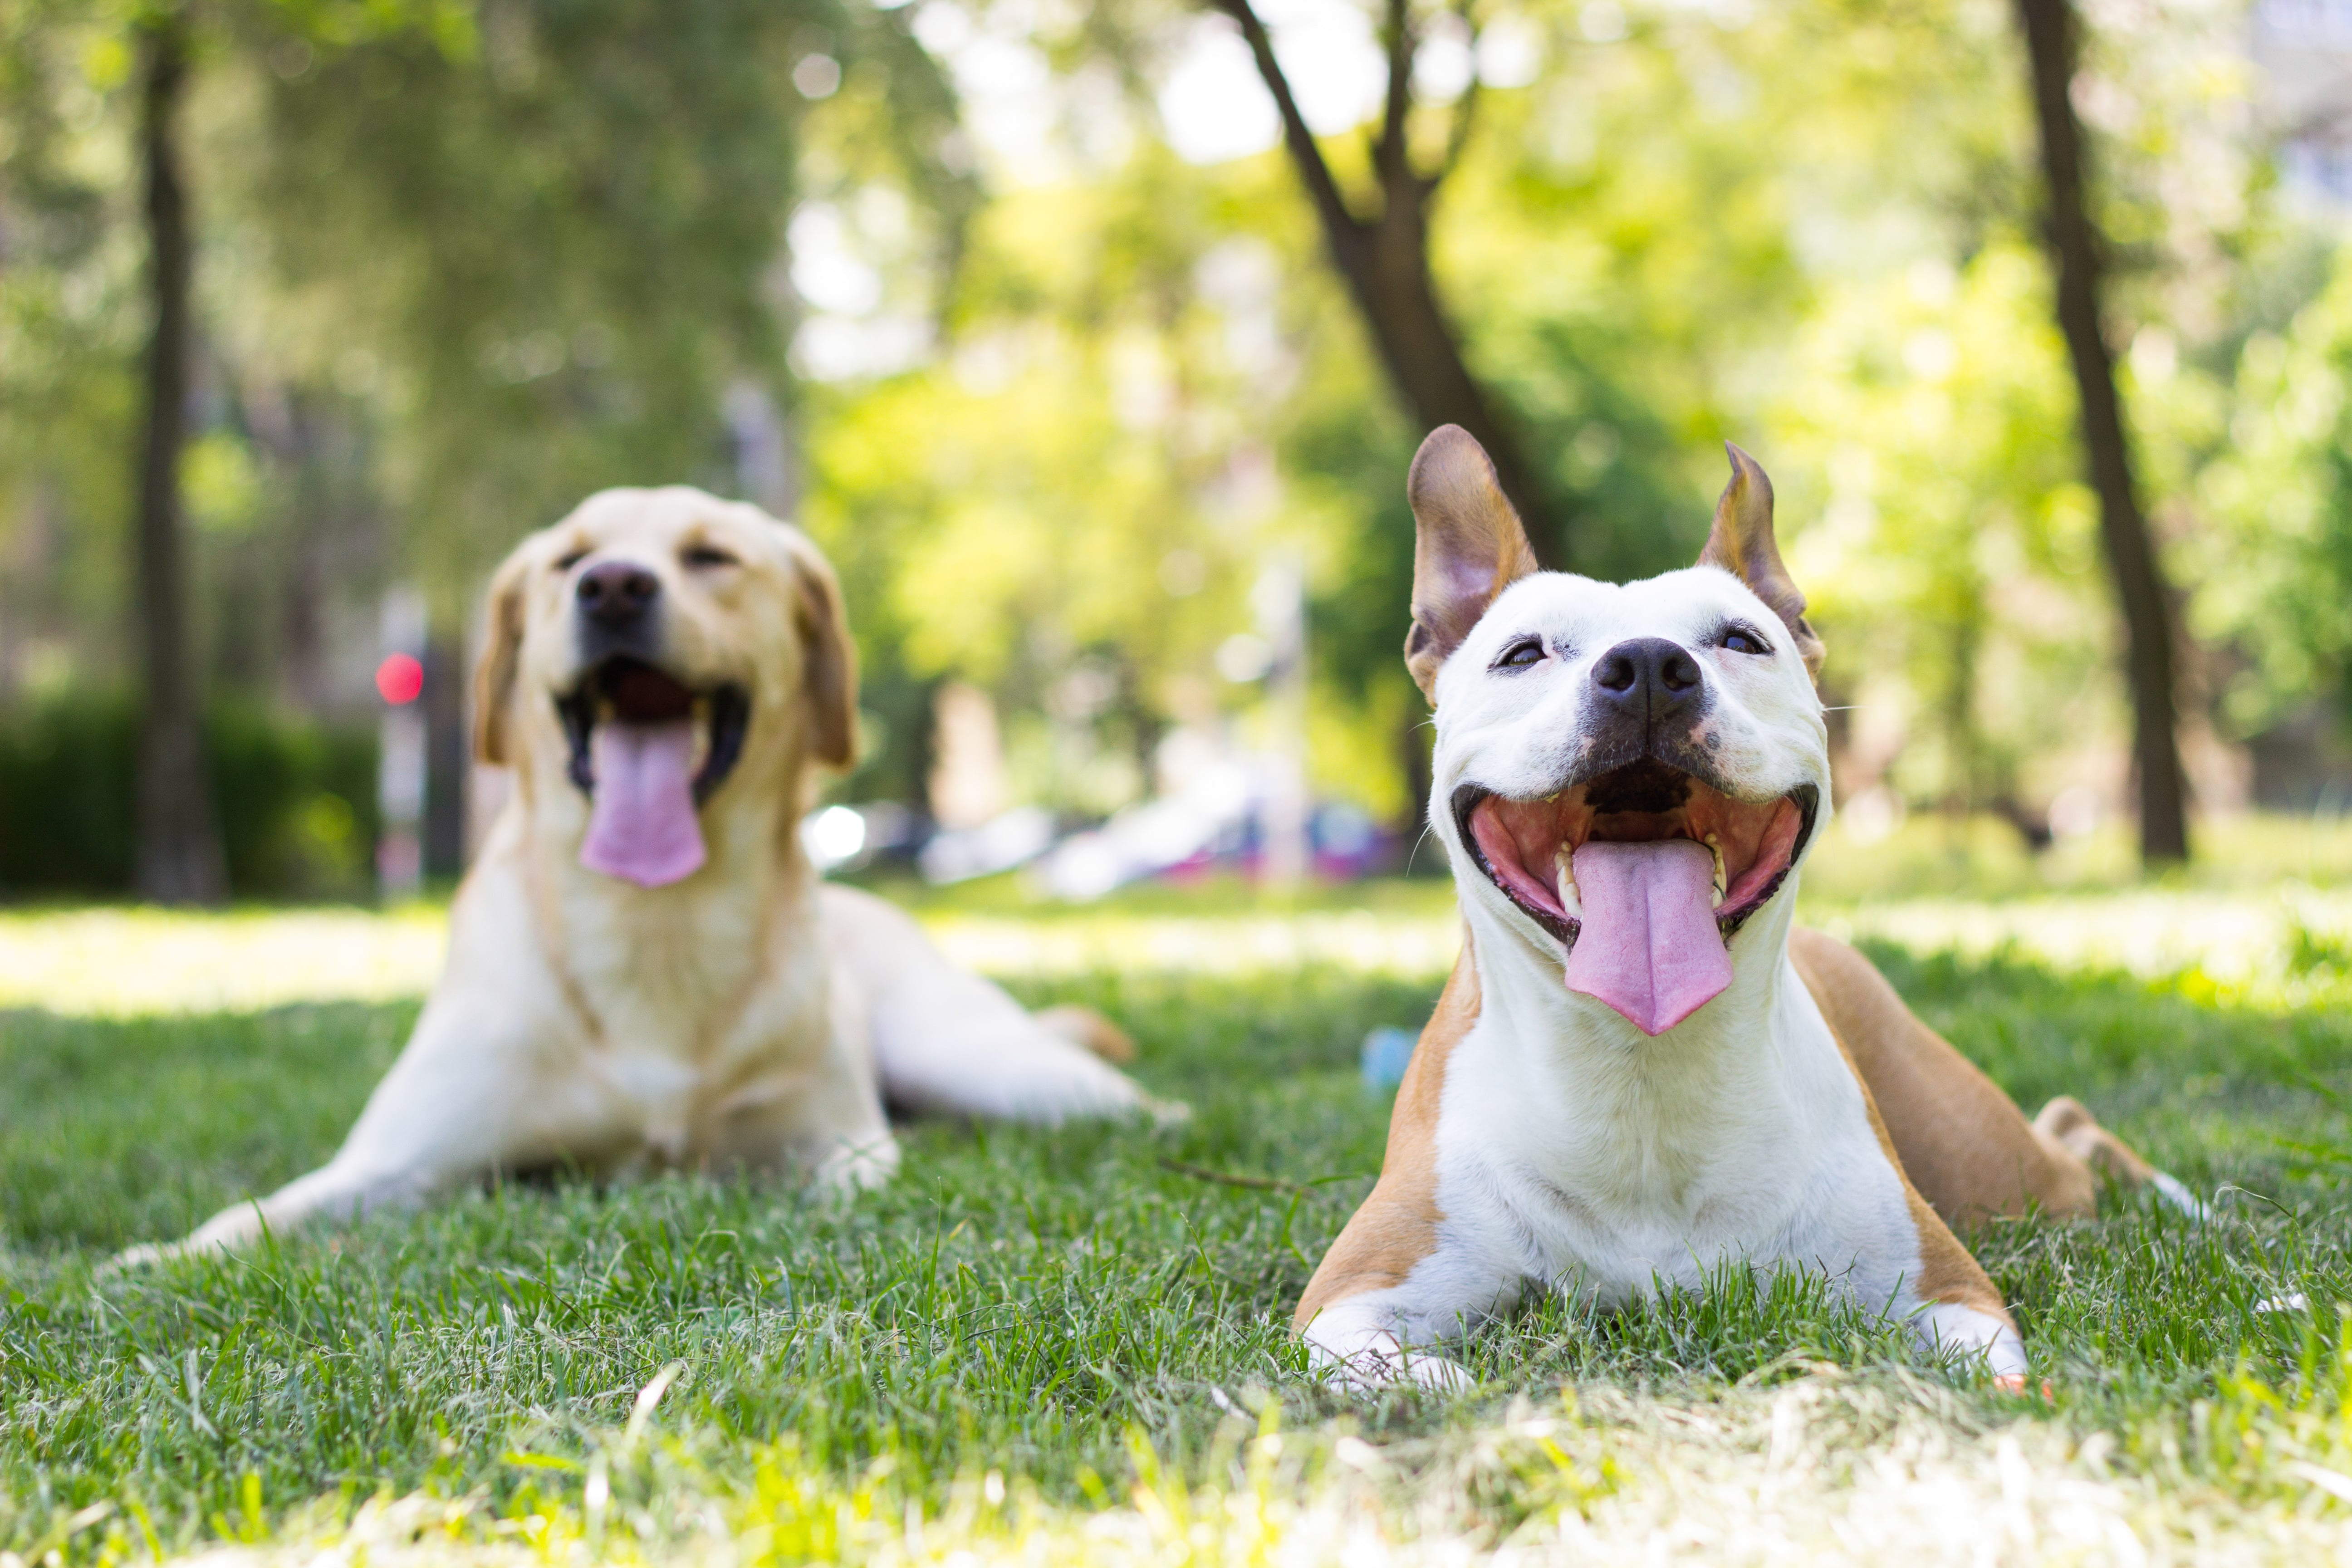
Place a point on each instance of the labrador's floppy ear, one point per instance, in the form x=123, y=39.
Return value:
x=494, y=672
x=1468, y=547
x=828, y=659
x=1742, y=542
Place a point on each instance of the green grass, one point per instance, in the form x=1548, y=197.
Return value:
x=1069, y=1312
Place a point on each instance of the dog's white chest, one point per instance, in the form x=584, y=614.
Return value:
x=1605, y=1174
x=685, y=1018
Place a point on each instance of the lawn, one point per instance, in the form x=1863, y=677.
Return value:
x=1073, y=1346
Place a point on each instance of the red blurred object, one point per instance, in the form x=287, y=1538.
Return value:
x=399, y=678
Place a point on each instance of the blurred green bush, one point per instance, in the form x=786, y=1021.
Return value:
x=297, y=798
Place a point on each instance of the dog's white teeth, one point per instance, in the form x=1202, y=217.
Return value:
x=1722, y=882
x=1565, y=885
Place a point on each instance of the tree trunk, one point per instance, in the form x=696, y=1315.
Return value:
x=179, y=856
x=1385, y=263
x=2075, y=246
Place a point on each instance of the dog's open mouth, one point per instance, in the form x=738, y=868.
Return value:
x=647, y=748
x=1642, y=875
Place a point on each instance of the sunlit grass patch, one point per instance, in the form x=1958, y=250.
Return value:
x=132, y=963
x=1830, y=1468
x=2283, y=948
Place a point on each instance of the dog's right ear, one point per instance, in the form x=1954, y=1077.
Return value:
x=1468, y=547
x=494, y=673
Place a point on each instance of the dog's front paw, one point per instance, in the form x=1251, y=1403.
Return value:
x=139, y=1256
x=224, y=1232
x=859, y=1167
x=1166, y=1115
x=1374, y=1361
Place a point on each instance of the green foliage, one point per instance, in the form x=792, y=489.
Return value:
x=1809, y=228
x=2277, y=568
x=459, y=264
x=296, y=799
x=1151, y=396
x=550, y=258
x=1949, y=550
x=463, y=262
x=67, y=332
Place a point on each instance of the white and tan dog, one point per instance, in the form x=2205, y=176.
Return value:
x=643, y=970
x=1639, y=1071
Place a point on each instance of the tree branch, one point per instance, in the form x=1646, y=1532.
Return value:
x=1390, y=154
x=1466, y=112
x=1339, y=219
x=1383, y=260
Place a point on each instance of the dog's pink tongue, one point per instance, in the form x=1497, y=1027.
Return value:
x=1649, y=947
x=641, y=825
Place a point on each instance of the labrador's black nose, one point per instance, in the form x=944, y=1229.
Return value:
x=616, y=594
x=1648, y=680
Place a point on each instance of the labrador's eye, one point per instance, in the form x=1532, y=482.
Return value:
x=705, y=555
x=1739, y=639
x=570, y=559
x=1521, y=654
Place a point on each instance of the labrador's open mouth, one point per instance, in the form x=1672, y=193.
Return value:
x=1641, y=875
x=625, y=690
x=647, y=748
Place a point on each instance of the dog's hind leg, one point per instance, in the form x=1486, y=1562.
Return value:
x=946, y=1040
x=1085, y=1027
x=1963, y=1143
x=2069, y=1123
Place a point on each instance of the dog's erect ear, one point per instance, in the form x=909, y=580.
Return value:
x=494, y=673
x=828, y=659
x=1742, y=542
x=1468, y=547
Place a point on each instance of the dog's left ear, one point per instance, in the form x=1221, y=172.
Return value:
x=1468, y=547
x=1742, y=542
x=828, y=659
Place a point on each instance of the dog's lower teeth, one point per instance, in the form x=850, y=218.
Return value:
x=1722, y=883
x=1566, y=886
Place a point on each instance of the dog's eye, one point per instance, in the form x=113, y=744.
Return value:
x=570, y=558
x=1521, y=654
x=1739, y=639
x=703, y=556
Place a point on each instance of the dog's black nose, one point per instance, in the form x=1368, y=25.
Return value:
x=616, y=592
x=1648, y=678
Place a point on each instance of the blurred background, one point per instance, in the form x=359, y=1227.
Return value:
x=1092, y=342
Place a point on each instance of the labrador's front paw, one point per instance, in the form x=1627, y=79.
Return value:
x=1166, y=1114
x=857, y=1167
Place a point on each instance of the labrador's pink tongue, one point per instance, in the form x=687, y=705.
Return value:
x=1649, y=947
x=641, y=825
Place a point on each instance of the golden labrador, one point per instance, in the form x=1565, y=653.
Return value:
x=645, y=971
